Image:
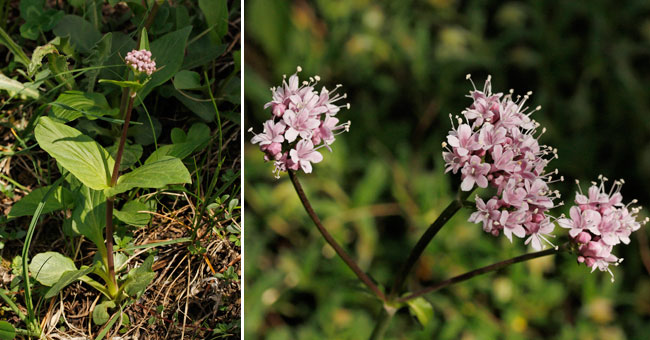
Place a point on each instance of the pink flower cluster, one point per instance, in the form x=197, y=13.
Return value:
x=141, y=61
x=598, y=222
x=303, y=121
x=497, y=144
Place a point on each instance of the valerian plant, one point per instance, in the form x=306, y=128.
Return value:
x=95, y=177
x=494, y=145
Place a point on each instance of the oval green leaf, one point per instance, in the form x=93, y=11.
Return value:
x=158, y=174
x=47, y=268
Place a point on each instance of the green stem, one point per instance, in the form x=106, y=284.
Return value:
x=330, y=240
x=422, y=243
x=383, y=320
x=483, y=270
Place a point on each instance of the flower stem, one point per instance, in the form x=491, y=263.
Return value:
x=330, y=240
x=110, y=263
x=428, y=235
x=483, y=270
x=383, y=320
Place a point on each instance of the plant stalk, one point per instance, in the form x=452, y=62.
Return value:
x=483, y=270
x=110, y=262
x=385, y=316
x=330, y=240
x=422, y=243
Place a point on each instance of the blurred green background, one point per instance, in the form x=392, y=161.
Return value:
x=403, y=65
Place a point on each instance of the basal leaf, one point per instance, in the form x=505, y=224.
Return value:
x=100, y=313
x=76, y=152
x=15, y=87
x=59, y=199
x=167, y=170
x=7, y=331
x=47, y=268
x=66, y=279
x=139, y=278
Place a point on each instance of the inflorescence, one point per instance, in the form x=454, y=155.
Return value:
x=303, y=121
x=598, y=222
x=140, y=61
x=496, y=143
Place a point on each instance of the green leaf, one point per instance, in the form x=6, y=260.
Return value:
x=83, y=34
x=201, y=52
x=89, y=216
x=130, y=214
x=216, y=15
x=422, y=309
x=182, y=17
x=100, y=313
x=15, y=87
x=76, y=152
x=99, y=54
x=168, y=52
x=66, y=279
x=59, y=199
x=130, y=155
x=7, y=331
x=187, y=80
x=184, y=145
x=37, y=57
x=75, y=103
x=144, y=40
x=58, y=64
x=139, y=278
x=47, y=268
x=167, y=170
x=135, y=85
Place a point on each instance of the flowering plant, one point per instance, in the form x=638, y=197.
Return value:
x=494, y=146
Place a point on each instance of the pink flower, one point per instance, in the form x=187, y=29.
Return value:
x=304, y=154
x=539, y=231
x=511, y=223
x=463, y=140
x=487, y=213
x=474, y=172
x=273, y=133
x=301, y=123
x=326, y=130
